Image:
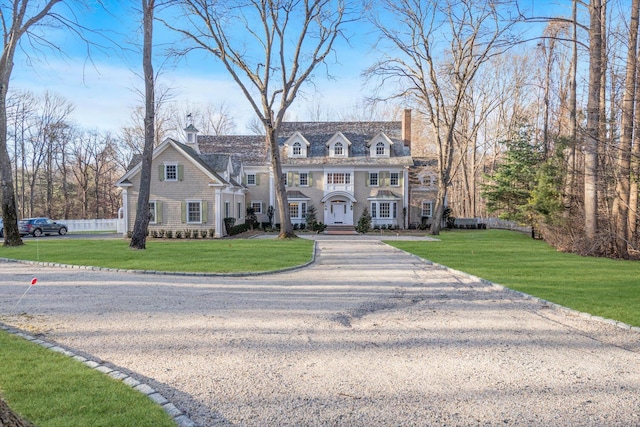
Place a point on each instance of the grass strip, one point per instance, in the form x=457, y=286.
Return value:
x=198, y=256
x=600, y=286
x=53, y=390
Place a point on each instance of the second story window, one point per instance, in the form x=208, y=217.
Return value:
x=251, y=179
x=170, y=172
x=304, y=179
x=373, y=179
x=394, y=179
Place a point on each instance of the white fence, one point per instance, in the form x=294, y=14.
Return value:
x=88, y=225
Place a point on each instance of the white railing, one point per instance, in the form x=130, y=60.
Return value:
x=80, y=225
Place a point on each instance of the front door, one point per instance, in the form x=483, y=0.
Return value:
x=338, y=212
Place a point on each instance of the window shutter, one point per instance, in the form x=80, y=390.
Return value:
x=161, y=172
x=400, y=178
x=289, y=179
x=257, y=179
x=368, y=181
x=180, y=172
x=310, y=179
x=296, y=179
x=244, y=179
x=204, y=212
x=387, y=178
x=159, y=212
x=183, y=212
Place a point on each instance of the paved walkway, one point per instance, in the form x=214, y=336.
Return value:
x=366, y=336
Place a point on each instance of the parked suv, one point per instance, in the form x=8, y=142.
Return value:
x=39, y=226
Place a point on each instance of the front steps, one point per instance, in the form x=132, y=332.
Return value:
x=340, y=230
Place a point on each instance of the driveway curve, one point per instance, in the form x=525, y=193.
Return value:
x=366, y=336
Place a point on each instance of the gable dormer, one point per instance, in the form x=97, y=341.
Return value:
x=338, y=145
x=192, y=137
x=380, y=146
x=297, y=146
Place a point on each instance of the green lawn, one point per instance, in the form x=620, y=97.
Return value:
x=602, y=287
x=209, y=256
x=53, y=390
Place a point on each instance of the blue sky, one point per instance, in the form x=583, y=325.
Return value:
x=103, y=88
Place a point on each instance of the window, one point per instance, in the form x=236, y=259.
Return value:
x=338, y=178
x=373, y=179
x=152, y=212
x=297, y=210
x=257, y=207
x=384, y=210
x=294, y=210
x=227, y=210
x=297, y=149
x=189, y=137
x=380, y=149
x=194, y=210
x=251, y=179
x=394, y=179
x=304, y=179
x=427, y=209
x=239, y=210
x=170, y=172
x=338, y=149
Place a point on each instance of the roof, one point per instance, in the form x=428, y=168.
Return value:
x=251, y=150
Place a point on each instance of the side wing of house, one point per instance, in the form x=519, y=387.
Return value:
x=423, y=192
x=185, y=195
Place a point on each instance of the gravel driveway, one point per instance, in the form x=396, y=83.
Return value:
x=366, y=336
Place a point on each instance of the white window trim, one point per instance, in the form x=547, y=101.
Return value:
x=430, y=204
x=155, y=212
x=199, y=203
x=377, y=184
x=165, y=171
x=254, y=179
x=255, y=202
x=398, y=182
x=300, y=179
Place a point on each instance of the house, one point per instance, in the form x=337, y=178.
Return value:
x=340, y=168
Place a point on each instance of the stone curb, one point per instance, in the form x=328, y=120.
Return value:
x=544, y=303
x=167, y=273
x=178, y=416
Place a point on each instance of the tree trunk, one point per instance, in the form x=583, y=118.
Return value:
x=286, y=228
x=141, y=224
x=592, y=138
x=621, y=206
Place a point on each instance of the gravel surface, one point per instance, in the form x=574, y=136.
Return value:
x=366, y=336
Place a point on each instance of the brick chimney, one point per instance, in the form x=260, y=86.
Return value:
x=406, y=127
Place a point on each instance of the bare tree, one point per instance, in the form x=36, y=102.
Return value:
x=19, y=18
x=621, y=206
x=437, y=76
x=289, y=40
x=592, y=137
x=141, y=224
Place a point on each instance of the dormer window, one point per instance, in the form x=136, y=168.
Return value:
x=338, y=149
x=297, y=146
x=380, y=146
x=297, y=149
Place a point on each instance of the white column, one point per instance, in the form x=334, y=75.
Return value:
x=218, y=213
x=405, y=189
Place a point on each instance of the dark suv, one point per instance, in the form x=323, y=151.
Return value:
x=39, y=226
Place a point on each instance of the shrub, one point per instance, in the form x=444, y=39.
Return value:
x=154, y=234
x=364, y=223
x=212, y=232
x=319, y=227
x=251, y=218
x=228, y=224
x=169, y=234
x=240, y=228
x=129, y=234
x=296, y=226
x=161, y=233
x=265, y=225
x=203, y=234
x=178, y=234
x=187, y=234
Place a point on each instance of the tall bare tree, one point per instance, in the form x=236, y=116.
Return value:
x=19, y=18
x=270, y=48
x=592, y=137
x=621, y=205
x=141, y=224
x=440, y=46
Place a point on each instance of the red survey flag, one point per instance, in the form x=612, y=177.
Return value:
x=34, y=281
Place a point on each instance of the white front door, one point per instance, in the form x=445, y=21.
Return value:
x=338, y=212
